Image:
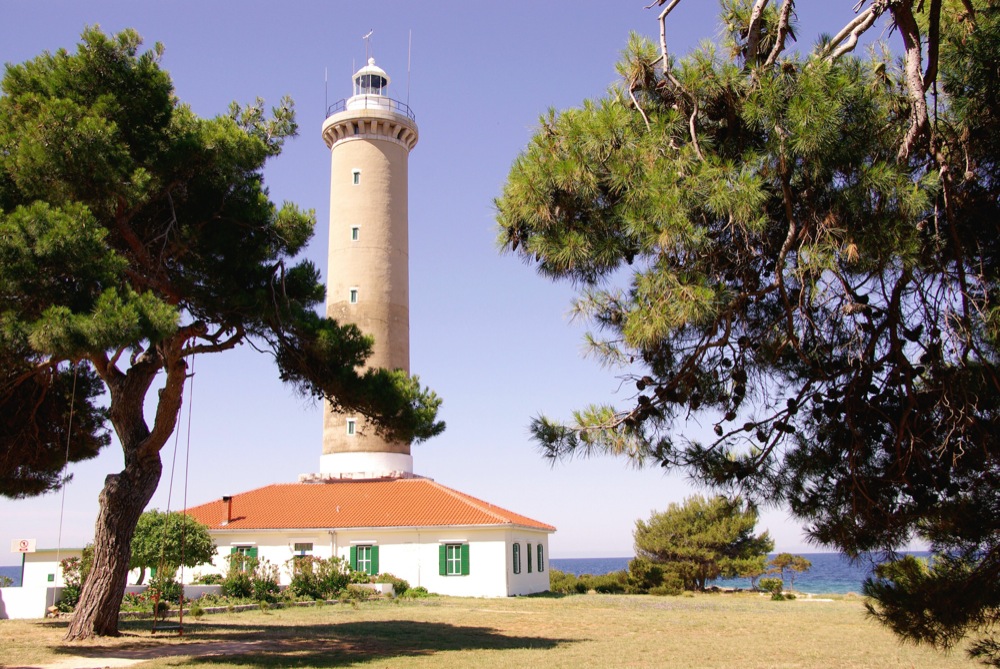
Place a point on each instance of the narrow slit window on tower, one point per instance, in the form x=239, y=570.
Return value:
x=354, y=296
x=356, y=177
x=352, y=426
x=355, y=233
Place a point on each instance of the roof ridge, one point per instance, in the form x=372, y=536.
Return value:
x=475, y=502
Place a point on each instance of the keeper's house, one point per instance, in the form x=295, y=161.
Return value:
x=413, y=528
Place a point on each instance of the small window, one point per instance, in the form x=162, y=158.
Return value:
x=356, y=177
x=354, y=296
x=517, y=558
x=355, y=233
x=52, y=578
x=529, y=558
x=541, y=558
x=365, y=559
x=302, y=549
x=454, y=560
x=352, y=426
x=242, y=558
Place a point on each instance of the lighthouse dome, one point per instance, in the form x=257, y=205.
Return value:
x=370, y=80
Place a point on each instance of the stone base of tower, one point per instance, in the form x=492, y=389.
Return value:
x=366, y=465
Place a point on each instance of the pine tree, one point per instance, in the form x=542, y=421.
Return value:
x=702, y=539
x=134, y=235
x=801, y=251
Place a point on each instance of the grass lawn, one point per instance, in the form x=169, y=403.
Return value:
x=712, y=630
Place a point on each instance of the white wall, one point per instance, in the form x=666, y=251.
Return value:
x=527, y=582
x=410, y=554
x=275, y=546
x=26, y=602
x=40, y=565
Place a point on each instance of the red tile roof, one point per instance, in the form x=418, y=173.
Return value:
x=415, y=502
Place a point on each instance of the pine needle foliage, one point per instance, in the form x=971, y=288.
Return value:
x=133, y=236
x=800, y=250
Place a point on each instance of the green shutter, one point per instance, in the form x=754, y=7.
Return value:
x=442, y=560
x=354, y=558
x=252, y=552
x=541, y=558
x=465, y=559
x=374, y=562
x=529, y=558
x=516, y=556
x=152, y=572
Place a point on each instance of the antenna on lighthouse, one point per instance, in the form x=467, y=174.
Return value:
x=368, y=44
x=409, y=51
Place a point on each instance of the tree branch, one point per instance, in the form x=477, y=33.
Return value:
x=852, y=31
x=216, y=346
x=753, y=31
x=933, y=43
x=902, y=13
x=784, y=17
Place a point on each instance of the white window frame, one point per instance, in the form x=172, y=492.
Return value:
x=355, y=233
x=352, y=427
x=453, y=559
x=365, y=558
x=355, y=177
x=352, y=295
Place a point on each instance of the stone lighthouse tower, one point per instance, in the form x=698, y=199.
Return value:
x=370, y=136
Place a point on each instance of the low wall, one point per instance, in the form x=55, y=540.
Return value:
x=34, y=601
x=30, y=602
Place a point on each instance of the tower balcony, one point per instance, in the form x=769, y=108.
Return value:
x=372, y=118
x=373, y=102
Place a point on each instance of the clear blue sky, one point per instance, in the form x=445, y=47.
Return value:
x=491, y=337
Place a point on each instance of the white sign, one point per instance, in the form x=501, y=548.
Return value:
x=22, y=546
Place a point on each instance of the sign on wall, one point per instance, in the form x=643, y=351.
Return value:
x=22, y=546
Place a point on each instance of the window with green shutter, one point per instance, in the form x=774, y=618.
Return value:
x=541, y=558
x=240, y=556
x=517, y=558
x=365, y=558
x=529, y=558
x=453, y=559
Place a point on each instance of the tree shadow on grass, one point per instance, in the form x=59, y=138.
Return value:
x=325, y=645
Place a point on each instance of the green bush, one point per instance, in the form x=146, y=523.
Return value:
x=614, y=583
x=238, y=581
x=196, y=611
x=667, y=590
x=165, y=588
x=774, y=586
x=418, y=592
x=399, y=585
x=264, y=582
x=208, y=579
x=314, y=578
x=565, y=583
x=644, y=575
x=69, y=598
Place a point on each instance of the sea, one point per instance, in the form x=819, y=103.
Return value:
x=831, y=573
x=12, y=572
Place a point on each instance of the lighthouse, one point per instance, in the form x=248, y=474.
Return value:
x=370, y=136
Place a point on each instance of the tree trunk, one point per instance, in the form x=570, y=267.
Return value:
x=126, y=494
x=122, y=501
